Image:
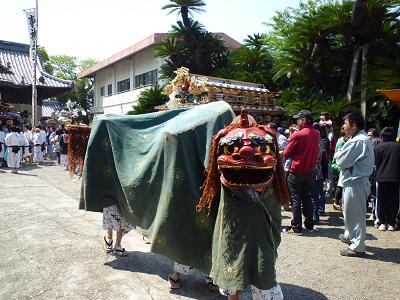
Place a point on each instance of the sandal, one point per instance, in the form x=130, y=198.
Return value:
x=107, y=245
x=211, y=286
x=174, y=284
x=120, y=252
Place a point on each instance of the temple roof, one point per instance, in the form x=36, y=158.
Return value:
x=16, y=76
x=16, y=70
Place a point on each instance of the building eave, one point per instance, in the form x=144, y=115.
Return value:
x=151, y=40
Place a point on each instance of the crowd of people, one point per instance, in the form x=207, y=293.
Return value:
x=29, y=145
x=354, y=170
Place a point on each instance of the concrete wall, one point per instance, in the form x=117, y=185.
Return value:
x=145, y=61
x=139, y=63
x=121, y=103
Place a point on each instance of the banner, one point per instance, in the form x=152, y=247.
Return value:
x=31, y=16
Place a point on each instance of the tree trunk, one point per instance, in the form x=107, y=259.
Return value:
x=185, y=16
x=353, y=74
x=364, y=64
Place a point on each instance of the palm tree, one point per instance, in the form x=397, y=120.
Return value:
x=255, y=41
x=148, y=99
x=192, y=47
x=368, y=18
x=185, y=8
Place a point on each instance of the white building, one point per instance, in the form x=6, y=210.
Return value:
x=121, y=78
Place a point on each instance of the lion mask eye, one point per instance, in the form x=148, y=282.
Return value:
x=229, y=149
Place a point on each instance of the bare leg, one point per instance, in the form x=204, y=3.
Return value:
x=118, y=239
x=109, y=234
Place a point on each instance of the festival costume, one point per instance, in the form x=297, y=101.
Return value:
x=248, y=224
x=28, y=136
x=14, y=142
x=163, y=156
x=112, y=220
x=2, y=146
x=38, y=142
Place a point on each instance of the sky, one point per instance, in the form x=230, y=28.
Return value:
x=100, y=28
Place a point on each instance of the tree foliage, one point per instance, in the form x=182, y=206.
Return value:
x=251, y=63
x=185, y=8
x=68, y=67
x=147, y=100
x=190, y=45
x=312, y=48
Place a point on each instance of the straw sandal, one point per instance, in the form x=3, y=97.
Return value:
x=120, y=252
x=107, y=245
x=174, y=284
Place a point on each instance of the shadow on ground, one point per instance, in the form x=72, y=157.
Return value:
x=193, y=285
x=384, y=254
x=295, y=292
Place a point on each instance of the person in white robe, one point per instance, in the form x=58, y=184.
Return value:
x=38, y=141
x=2, y=146
x=27, y=156
x=14, y=141
x=43, y=137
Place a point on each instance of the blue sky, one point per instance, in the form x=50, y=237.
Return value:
x=100, y=28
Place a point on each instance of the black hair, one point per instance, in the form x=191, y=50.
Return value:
x=59, y=132
x=13, y=128
x=323, y=131
x=387, y=134
x=374, y=132
x=326, y=114
x=273, y=126
x=355, y=118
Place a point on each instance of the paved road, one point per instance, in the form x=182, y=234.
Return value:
x=52, y=250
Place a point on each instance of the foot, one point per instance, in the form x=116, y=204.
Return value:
x=344, y=239
x=146, y=239
x=291, y=230
x=120, y=251
x=210, y=284
x=107, y=245
x=382, y=227
x=351, y=253
x=391, y=228
x=336, y=207
x=174, y=282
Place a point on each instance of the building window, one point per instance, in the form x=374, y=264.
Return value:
x=109, y=89
x=146, y=79
x=102, y=91
x=123, y=85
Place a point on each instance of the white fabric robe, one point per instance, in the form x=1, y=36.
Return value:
x=13, y=159
x=37, y=152
x=2, y=137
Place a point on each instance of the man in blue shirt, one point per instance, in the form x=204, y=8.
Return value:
x=356, y=162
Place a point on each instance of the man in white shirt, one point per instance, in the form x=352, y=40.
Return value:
x=14, y=141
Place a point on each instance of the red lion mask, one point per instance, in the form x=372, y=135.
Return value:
x=244, y=156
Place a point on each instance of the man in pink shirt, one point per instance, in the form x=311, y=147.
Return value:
x=302, y=149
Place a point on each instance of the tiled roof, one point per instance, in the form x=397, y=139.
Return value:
x=154, y=39
x=16, y=70
x=48, y=107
